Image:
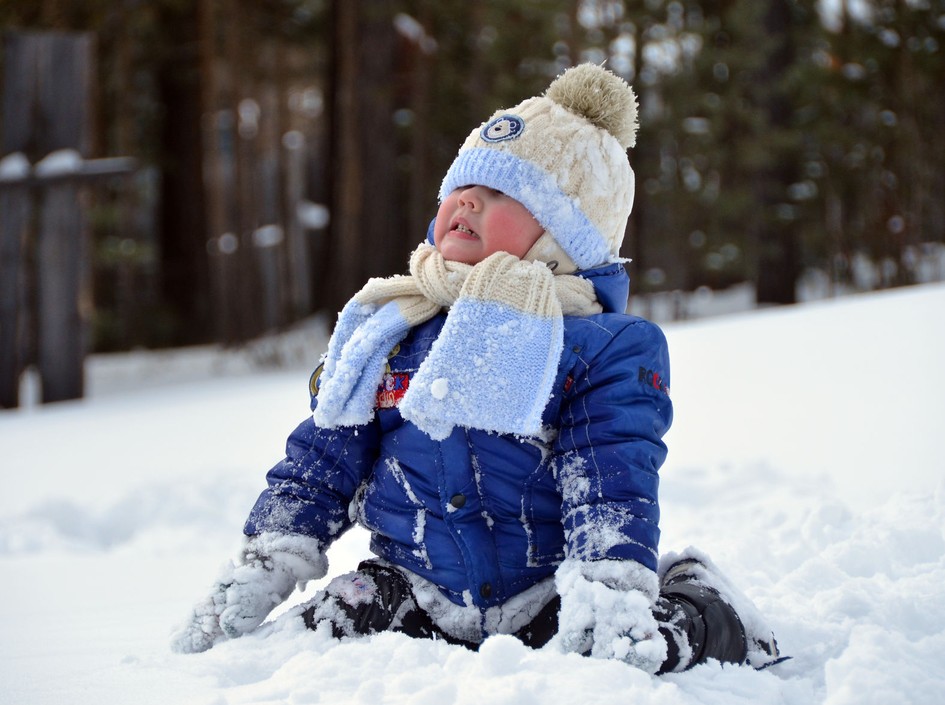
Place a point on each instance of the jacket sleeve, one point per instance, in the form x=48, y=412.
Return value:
x=309, y=491
x=609, y=447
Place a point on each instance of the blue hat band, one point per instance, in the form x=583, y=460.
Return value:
x=538, y=191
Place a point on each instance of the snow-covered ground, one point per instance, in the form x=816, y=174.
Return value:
x=806, y=458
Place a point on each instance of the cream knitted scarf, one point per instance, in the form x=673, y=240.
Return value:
x=493, y=363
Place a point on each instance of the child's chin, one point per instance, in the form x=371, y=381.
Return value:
x=458, y=253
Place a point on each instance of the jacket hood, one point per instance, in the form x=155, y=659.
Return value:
x=611, y=284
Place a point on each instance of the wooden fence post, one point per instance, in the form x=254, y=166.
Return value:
x=14, y=227
x=17, y=85
x=62, y=289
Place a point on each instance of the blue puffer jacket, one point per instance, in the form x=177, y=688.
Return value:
x=486, y=516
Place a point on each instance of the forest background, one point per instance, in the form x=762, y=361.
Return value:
x=288, y=150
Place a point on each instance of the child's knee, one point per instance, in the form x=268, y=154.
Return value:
x=372, y=599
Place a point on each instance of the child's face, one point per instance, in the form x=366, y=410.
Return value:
x=474, y=222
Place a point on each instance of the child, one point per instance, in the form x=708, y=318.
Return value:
x=495, y=420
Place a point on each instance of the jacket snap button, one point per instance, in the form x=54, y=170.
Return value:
x=458, y=501
x=485, y=590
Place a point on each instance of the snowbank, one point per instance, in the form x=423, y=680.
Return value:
x=805, y=459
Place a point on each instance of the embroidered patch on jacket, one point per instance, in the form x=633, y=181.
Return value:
x=504, y=127
x=392, y=389
x=652, y=379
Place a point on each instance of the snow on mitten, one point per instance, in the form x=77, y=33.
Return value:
x=268, y=570
x=606, y=612
x=202, y=629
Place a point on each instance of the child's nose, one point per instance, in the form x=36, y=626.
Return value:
x=471, y=197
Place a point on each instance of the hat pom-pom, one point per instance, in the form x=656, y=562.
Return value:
x=602, y=97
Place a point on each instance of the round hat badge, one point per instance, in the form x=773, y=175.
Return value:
x=502, y=128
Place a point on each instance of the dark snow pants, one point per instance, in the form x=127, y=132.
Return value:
x=379, y=598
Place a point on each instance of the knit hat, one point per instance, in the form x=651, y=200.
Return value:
x=563, y=155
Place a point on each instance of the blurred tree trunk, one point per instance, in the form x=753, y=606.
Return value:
x=778, y=265
x=182, y=226
x=365, y=215
x=419, y=89
x=645, y=152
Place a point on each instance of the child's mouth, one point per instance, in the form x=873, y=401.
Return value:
x=465, y=230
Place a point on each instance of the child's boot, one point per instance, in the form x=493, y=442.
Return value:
x=702, y=617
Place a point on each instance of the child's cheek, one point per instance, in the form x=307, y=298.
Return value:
x=513, y=232
x=440, y=225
